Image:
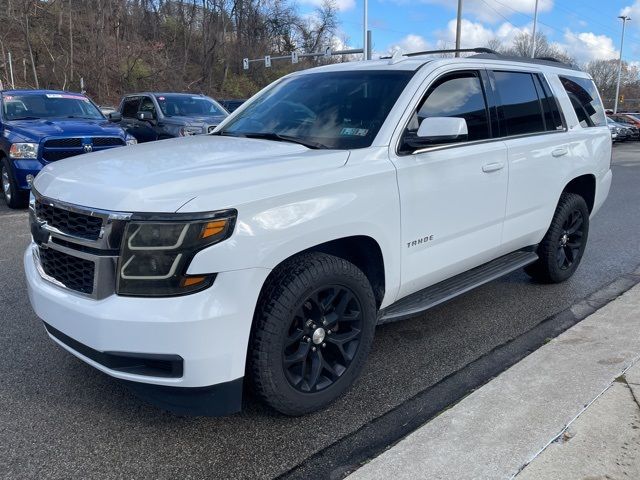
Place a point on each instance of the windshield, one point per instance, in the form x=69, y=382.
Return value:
x=49, y=105
x=338, y=110
x=188, y=106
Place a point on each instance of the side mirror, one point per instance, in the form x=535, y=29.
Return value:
x=115, y=117
x=443, y=129
x=145, y=116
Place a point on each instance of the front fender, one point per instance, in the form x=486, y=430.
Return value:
x=362, y=202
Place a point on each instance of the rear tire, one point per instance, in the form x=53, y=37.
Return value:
x=313, y=330
x=561, y=249
x=14, y=197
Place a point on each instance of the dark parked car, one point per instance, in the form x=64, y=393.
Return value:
x=232, y=104
x=155, y=116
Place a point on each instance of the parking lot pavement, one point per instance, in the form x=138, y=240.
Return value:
x=62, y=419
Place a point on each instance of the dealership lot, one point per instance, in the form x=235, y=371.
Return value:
x=60, y=418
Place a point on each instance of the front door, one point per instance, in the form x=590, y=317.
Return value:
x=452, y=195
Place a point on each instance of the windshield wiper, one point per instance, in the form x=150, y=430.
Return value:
x=23, y=118
x=277, y=137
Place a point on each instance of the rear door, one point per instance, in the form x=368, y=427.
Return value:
x=538, y=147
x=452, y=194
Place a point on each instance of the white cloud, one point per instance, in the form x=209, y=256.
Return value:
x=410, y=43
x=632, y=11
x=586, y=46
x=342, y=5
x=476, y=34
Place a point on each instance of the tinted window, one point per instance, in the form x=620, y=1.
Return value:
x=520, y=106
x=552, y=117
x=459, y=95
x=585, y=100
x=49, y=105
x=188, y=106
x=146, y=105
x=341, y=110
x=130, y=107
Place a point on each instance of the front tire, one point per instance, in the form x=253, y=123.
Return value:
x=561, y=249
x=313, y=330
x=14, y=197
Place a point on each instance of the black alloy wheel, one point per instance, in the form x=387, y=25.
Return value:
x=562, y=248
x=570, y=242
x=312, y=332
x=323, y=338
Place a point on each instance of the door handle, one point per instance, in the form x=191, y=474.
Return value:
x=559, y=152
x=492, y=167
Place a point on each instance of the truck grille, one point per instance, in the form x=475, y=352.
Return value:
x=73, y=272
x=56, y=149
x=71, y=223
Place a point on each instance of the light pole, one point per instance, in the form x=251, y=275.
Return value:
x=624, y=19
x=365, y=40
x=458, y=27
x=533, y=37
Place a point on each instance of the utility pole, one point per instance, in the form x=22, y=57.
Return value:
x=533, y=36
x=624, y=19
x=13, y=84
x=458, y=27
x=365, y=37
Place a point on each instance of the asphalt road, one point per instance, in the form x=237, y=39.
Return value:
x=62, y=419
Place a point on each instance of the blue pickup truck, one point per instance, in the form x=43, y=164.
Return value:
x=38, y=127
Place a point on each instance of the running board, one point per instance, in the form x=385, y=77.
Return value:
x=441, y=292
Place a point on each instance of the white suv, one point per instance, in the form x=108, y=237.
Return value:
x=336, y=199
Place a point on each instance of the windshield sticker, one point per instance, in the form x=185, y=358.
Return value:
x=357, y=132
x=161, y=98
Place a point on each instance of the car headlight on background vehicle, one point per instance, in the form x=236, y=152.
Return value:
x=190, y=130
x=23, y=150
x=131, y=140
x=156, y=253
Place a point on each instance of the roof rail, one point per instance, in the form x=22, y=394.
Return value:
x=453, y=50
x=549, y=59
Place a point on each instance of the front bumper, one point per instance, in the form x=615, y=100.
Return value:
x=22, y=168
x=208, y=330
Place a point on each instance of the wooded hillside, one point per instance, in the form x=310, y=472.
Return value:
x=119, y=46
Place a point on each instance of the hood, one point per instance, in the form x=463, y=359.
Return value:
x=163, y=176
x=37, y=129
x=199, y=120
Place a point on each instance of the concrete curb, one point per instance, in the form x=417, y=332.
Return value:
x=503, y=426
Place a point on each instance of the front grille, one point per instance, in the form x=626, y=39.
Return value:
x=73, y=272
x=55, y=155
x=107, y=141
x=71, y=223
x=56, y=149
x=63, y=143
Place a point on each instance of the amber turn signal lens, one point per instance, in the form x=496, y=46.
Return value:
x=213, y=228
x=191, y=281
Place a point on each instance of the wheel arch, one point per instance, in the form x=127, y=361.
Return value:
x=585, y=186
x=361, y=250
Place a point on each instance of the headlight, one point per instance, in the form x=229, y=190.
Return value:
x=156, y=253
x=187, y=131
x=23, y=150
x=131, y=140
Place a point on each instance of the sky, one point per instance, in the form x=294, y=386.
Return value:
x=587, y=29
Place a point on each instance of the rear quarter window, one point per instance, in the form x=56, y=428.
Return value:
x=520, y=107
x=585, y=100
